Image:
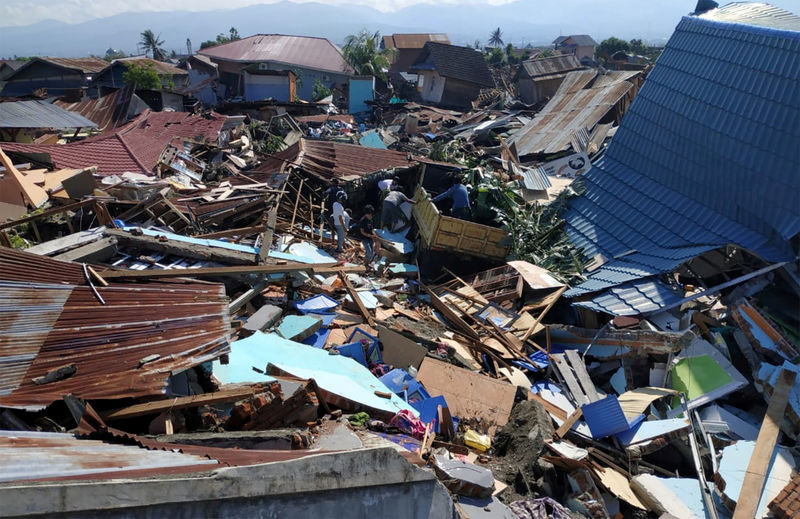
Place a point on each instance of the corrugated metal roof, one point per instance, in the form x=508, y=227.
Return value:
x=328, y=159
x=85, y=65
x=634, y=298
x=299, y=51
x=26, y=455
x=706, y=156
x=40, y=114
x=755, y=13
x=108, y=112
x=552, y=65
x=535, y=179
x=52, y=319
x=581, y=101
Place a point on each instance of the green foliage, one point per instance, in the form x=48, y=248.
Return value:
x=638, y=47
x=233, y=35
x=496, y=38
x=152, y=44
x=362, y=51
x=112, y=54
x=320, y=91
x=497, y=57
x=546, y=53
x=143, y=75
x=537, y=231
x=609, y=46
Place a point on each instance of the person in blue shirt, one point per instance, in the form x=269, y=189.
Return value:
x=460, y=197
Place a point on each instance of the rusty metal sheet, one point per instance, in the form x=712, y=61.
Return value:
x=184, y=324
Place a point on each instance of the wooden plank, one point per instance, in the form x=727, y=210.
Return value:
x=47, y=213
x=569, y=422
x=544, y=312
x=399, y=351
x=183, y=402
x=583, y=376
x=320, y=268
x=569, y=378
x=551, y=409
x=354, y=295
x=183, y=248
x=756, y=474
x=450, y=315
x=266, y=237
x=468, y=394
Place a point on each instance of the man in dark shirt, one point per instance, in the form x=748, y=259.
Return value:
x=329, y=196
x=366, y=234
x=391, y=211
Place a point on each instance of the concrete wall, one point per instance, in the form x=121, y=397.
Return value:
x=258, y=87
x=361, y=483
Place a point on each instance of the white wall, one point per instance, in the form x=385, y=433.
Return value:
x=432, y=87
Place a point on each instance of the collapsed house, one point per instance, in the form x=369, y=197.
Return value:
x=609, y=329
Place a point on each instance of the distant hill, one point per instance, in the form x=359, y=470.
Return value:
x=535, y=22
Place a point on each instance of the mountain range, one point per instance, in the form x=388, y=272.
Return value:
x=522, y=22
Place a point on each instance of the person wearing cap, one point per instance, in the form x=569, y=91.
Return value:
x=460, y=197
x=340, y=219
x=366, y=233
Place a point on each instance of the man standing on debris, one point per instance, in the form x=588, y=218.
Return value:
x=366, y=234
x=329, y=197
x=460, y=197
x=391, y=211
x=341, y=220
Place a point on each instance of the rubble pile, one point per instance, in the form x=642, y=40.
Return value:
x=431, y=281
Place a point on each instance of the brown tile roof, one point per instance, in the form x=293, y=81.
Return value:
x=52, y=318
x=413, y=41
x=786, y=504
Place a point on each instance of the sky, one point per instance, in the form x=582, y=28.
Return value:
x=25, y=12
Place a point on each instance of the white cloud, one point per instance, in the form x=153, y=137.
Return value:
x=16, y=12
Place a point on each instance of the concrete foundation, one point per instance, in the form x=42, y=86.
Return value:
x=361, y=483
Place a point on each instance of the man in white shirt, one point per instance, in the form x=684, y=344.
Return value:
x=340, y=220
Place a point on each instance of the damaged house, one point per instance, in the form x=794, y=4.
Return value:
x=579, y=45
x=259, y=66
x=408, y=48
x=538, y=79
x=56, y=76
x=451, y=76
x=704, y=160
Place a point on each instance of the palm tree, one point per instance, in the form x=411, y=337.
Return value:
x=362, y=52
x=152, y=44
x=496, y=38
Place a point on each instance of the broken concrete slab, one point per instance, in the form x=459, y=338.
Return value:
x=263, y=318
x=463, y=478
x=658, y=496
x=298, y=327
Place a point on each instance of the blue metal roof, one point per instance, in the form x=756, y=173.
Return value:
x=707, y=155
x=634, y=298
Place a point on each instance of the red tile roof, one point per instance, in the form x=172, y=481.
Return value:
x=299, y=51
x=786, y=504
x=134, y=147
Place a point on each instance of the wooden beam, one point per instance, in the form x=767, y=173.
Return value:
x=569, y=422
x=183, y=402
x=241, y=231
x=326, y=268
x=541, y=315
x=757, y=469
x=45, y=214
x=183, y=248
x=354, y=295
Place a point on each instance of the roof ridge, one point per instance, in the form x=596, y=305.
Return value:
x=130, y=152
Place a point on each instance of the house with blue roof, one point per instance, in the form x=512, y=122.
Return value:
x=707, y=158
